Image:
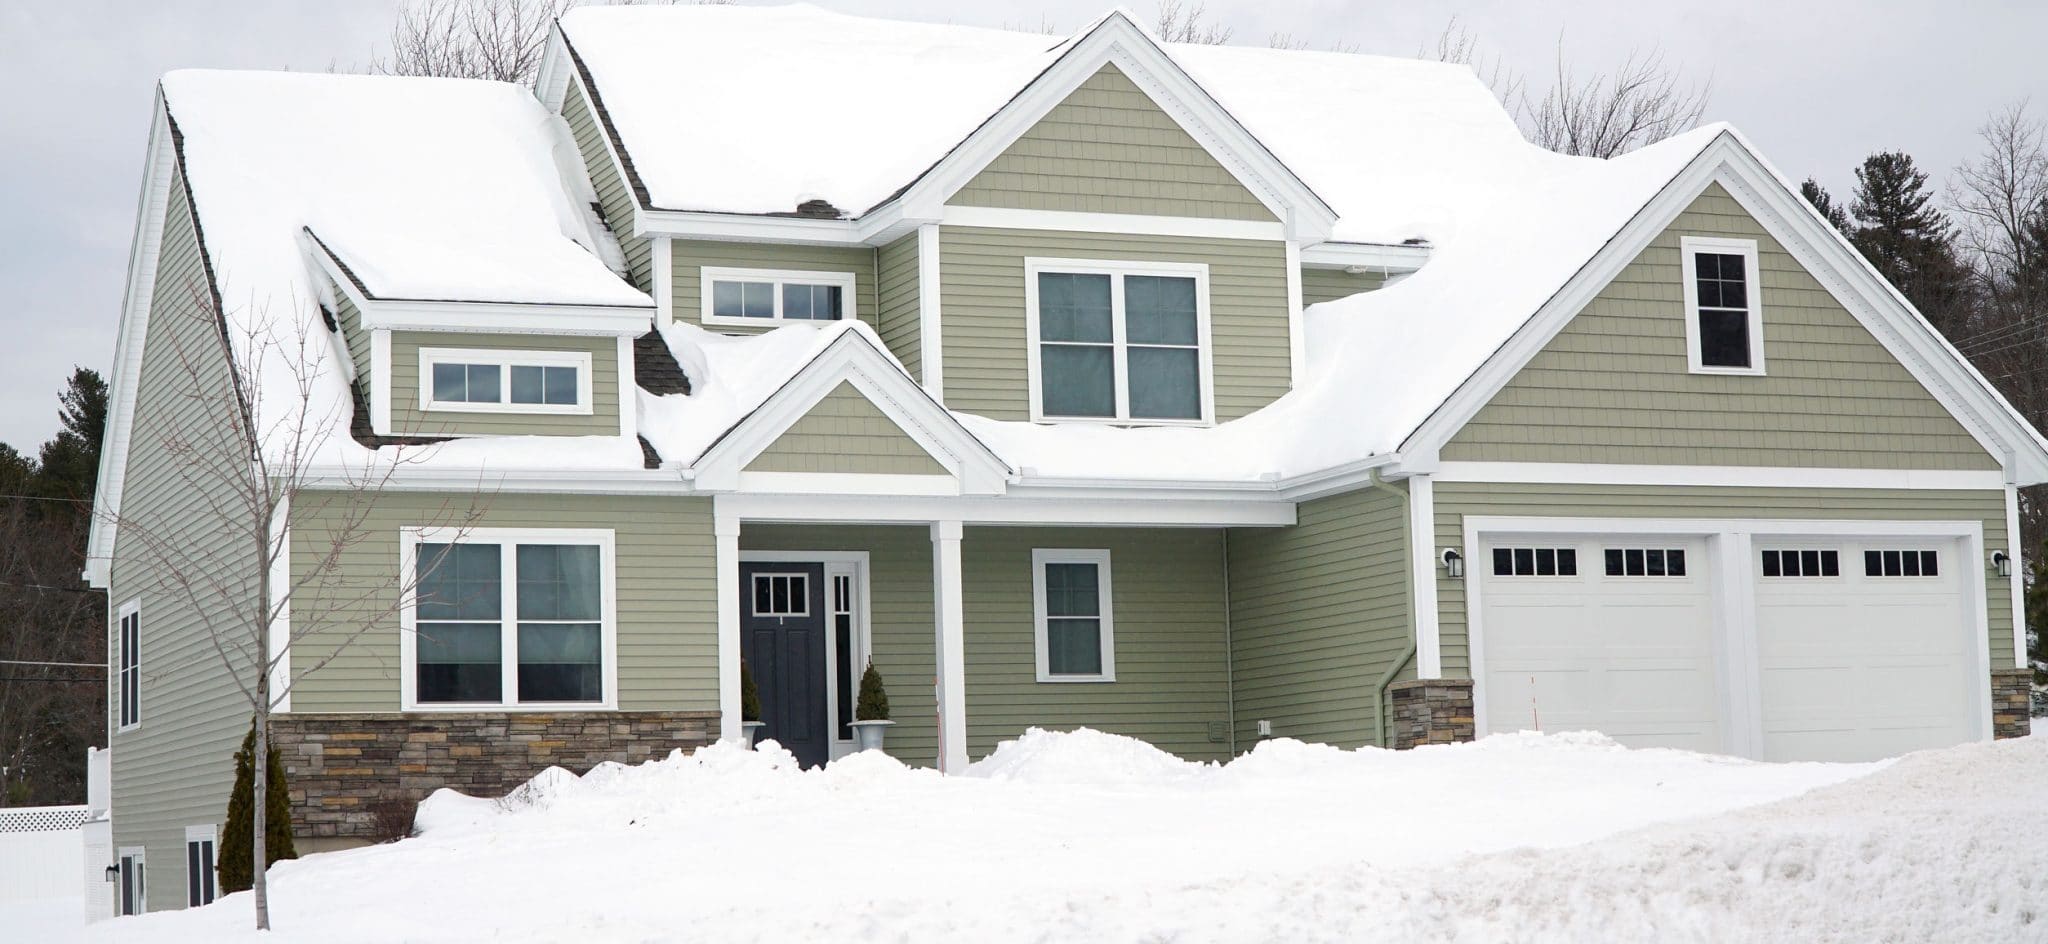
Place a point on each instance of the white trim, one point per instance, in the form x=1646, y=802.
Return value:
x=409, y=539
x=1127, y=224
x=726, y=530
x=663, y=273
x=206, y=834
x=2017, y=582
x=628, y=390
x=1041, y=556
x=1297, y=328
x=1391, y=260
x=505, y=361
x=847, y=483
x=780, y=278
x=1575, y=473
x=853, y=565
x=380, y=381
x=931, y=356
x=1096, y=512
x=1423, y=560
x=140, y=870
x=949, y=630
x=747, y=227
x=1120, y=346
x=280, y=598
x=131, y=608
x=1689, y=249
x=417, y=314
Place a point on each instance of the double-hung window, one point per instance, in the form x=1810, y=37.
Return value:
x=470, y=381
x=130, y=665
x=1076, y=633
x=773, y=296
x=200, y=842
x=503, y=617
x=1724, y=322
x=1119, y=342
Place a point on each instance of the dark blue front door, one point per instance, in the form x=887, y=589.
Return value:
x=782, y=630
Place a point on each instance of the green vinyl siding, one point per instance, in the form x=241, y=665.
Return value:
x=983, y=317
x=350, y=320
x=614, y=199
x=1167, y=605
x=1318, y=612
x=175, y=770
x=846, y=432
x=665, y=589
x=1109, y=148
x=689, y=257
x=1614, y=387
x=408, y=419
x=1454, y=500
x=1323, y=285
x=897, y=314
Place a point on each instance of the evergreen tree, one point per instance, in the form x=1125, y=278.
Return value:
x=237, y=836
x=873, y=704
x=1910, y=242
x=1829, y=209
x=70, y=461
x=750, y=695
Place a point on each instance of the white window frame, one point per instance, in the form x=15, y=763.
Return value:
x=1120, y=346
x=411, y=538
x=505, y=361
x=140, y=871
x=206, y=834
x=1689, y=247
x=849, y=308
x=1042, y=556
x=128, y=675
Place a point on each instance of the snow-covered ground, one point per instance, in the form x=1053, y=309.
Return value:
x=1087, y=836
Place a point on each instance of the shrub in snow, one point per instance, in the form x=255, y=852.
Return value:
x=237, y=835
x=874, y=700
x=750, y=697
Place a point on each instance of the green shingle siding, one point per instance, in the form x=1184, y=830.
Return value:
x=613, y=197
x=690, y=256
x=846, y=432
x=350, y=321
x=666, y=591
x=1108, y=148
x=1454, y=500
x=897, y=314
x=1318, y=612
x=408, y=419
x=1323, y=285
x=1614, y=386
x=982, y=314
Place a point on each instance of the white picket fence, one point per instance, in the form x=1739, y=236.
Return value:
x=42, y=852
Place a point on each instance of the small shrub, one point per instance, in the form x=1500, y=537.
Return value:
x=391, y=818
x=237, y=835
x=874, y=700
x=750, y=697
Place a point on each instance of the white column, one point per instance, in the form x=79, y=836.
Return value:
x=1429, y=658
x=2015, y=549
x=930, y=338
x=949, y=617
x=727, y=528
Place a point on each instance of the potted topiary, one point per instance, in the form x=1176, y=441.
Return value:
x=871, y=711
x=750, y=706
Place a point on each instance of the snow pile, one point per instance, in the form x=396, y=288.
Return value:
x=1527, y=837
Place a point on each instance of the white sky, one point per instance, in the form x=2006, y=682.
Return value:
x=1817, y=85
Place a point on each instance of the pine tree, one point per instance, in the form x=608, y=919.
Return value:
x=1910, y=242
x=1829, y=209
x=874, y=700
x=70, y=462
x=750, y=695
x=237, y=836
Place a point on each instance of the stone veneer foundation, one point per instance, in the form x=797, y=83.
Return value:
x=1432, y=711
x=350, y=774
x=2010, y=689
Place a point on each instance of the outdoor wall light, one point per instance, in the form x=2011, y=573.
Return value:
x=2002, y=563
x=1454, y=564
x=113, y=873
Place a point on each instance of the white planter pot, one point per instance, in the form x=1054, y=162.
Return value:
x=868, y=734
x=752, y=730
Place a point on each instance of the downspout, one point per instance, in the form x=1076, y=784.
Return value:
x=1229, y=659
x=1379, y=695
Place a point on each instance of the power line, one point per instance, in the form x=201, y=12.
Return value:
x=74, y=665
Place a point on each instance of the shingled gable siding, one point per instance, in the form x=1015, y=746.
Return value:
x=176, y=769
x=846, y=432
x=408, y=419
x=613, y=197
x=350, y=321
x=1454, y=500
x=897, y=311
x=666, y=592
x=690, y=256
x=1323, y=285
x=1108, y=148
x=982, y=290
x=1318, y=612
x=1614, y=387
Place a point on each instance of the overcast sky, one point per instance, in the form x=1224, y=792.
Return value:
x=1817, y=85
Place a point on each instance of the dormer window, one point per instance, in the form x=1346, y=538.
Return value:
x=476, y=381
x=1723, y=310
x=1119, y=342
x=771, y=296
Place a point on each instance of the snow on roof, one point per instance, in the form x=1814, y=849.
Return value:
x=730, y=377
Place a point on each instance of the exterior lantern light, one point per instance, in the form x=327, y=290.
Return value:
x=2002, y=563
x=1454, y=564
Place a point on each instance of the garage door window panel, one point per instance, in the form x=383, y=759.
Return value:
x=1901, y=563
x=1535, y=562
x=1802, y=562
x=1644, y=562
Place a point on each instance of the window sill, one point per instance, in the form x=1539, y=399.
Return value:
x=511, y=409
x=501, y=708
x=713, y=321
x=1728, y=371
x=1112, y=421
x=1075, y=679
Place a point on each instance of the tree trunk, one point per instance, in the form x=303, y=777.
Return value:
x=258, y=862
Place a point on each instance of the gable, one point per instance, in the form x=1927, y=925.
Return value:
x=1109, y=148
x=614, y=198
x=846, y=433
x=1613, y=386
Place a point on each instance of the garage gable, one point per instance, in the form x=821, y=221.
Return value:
x=846, y=433
x=1615, y=384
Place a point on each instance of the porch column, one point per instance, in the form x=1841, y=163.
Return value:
x=727, y=528
x=949, y=615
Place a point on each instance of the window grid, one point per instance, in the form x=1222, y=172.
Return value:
x=1802, y=562
x=1535, y=562
x=131, y=667
x=732, y=296
x=199, y=871
x=508, y=381
x=1644, y=562
x=1075, y=627
x=1156, y=327
x=514, y=621
x=782, y=594
x=1901, y=563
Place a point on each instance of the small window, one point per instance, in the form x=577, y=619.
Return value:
x=843, y=654
x=1901, y=564
x=133, y=878
x=1724, y=324
x=199, y=865
x=1535, y=562
x=1645, y=562
x=1076, y=636
x=130, y=645
x=782, y=594
x=505, y=381
x=512, y=620
x=1119, y=341
x=1802, y=563
x=766, y=296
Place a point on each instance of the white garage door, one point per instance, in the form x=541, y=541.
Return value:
x=1612, y=635
x=1862, y=648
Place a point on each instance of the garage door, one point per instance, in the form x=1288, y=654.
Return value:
x=1862, y=650
x=1613, y=635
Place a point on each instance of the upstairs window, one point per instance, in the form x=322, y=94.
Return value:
x=769, y=296
x=130, y=666
x=1119, y=341
x=505, y=381
x=1723, y=314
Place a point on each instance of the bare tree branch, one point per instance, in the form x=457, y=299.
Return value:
x=1179, y=22
x=1609, y=114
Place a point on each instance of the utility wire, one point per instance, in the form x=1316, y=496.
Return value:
x=74, y=665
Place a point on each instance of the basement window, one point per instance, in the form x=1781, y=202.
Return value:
x=1723, y=311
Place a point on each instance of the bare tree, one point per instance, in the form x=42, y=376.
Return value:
x=502, y=40
x=2002, y=191
x=1457, y=44
x=250, y=452
x=1178, y=22
x=1606, y=114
